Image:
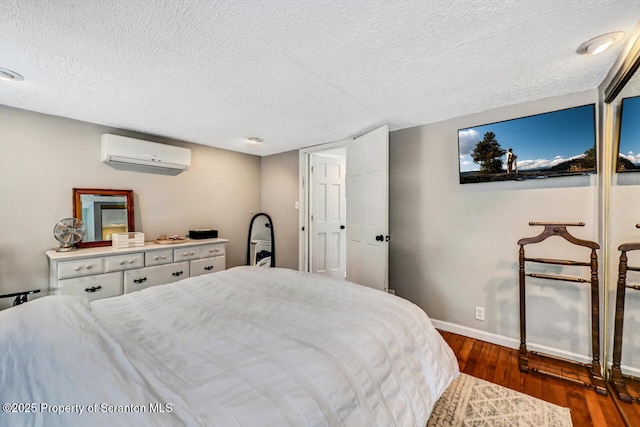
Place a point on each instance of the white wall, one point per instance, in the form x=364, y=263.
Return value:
x=454, y=246
x=279, y=195
x=42, y=158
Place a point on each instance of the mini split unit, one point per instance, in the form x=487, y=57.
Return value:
x=133, y=154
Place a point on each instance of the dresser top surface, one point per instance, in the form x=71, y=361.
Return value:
x=110, y=250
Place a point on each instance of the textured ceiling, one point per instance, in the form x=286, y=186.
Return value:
x=296, y=73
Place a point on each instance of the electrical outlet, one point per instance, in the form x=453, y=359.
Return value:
x=479, y=313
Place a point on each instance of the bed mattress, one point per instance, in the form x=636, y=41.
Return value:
x=243, y=347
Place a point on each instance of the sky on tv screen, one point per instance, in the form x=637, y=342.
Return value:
x=539, y=142
x=630, y=130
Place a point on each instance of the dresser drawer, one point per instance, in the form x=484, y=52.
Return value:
x=186, y=254
x=206, y=265
x=83, y=267
x=104, y=272
x=124, y=262
x=92, y=287
x=212, y=250
x=158, y=257
x=141, y=278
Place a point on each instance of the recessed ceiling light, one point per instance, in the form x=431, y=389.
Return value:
x=9, y=75
x=601, y=43
x=255, y=139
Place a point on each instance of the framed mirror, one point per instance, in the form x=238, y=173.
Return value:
x=261, y=249
x=103, y=212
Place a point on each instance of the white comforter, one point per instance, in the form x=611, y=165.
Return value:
x=244, y=347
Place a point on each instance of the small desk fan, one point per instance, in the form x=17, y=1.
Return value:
x=68, y=232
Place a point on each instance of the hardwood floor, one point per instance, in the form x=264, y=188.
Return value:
x=499, y=365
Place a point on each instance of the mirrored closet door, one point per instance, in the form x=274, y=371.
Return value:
x=621, y=211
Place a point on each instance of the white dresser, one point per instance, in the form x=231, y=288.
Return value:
x=106, y=272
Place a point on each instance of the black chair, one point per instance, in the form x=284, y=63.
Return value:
x=20, y=297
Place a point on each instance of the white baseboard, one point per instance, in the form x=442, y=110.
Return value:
x=627, y=370
x=506, y=341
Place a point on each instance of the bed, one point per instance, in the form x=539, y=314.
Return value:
x=246, y=346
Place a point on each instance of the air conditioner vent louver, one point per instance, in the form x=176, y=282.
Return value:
x=126, y=153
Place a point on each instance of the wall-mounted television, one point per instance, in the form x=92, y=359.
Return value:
x=629, y=145
x=553, y=144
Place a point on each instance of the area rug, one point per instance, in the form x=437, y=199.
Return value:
x=470, y=401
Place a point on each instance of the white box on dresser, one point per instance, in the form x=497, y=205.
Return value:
x=107, y=271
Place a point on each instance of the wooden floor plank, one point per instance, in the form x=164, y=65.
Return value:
x=503, y=370
x=580, y=415
x=533, y=385
x=492, y=361
x=630, y=412
x=499, y=365
x=595, y=409
x=477, y=363
x=465, y=349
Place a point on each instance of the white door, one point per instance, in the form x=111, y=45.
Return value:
x=368, y=209
x=328, y=216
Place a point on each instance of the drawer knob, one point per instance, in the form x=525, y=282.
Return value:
x=155, y=258
x=93, y=289
x=130, y=261
x=209, y=267
x=77, y=268
x=140, y=280
x=88, y=267
x=177, y=273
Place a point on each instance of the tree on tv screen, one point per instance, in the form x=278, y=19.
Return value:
x=488, y=154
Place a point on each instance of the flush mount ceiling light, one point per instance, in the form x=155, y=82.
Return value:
x=10, y=75
x=255, y=140
x=601, y=43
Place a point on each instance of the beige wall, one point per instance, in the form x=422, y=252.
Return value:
x=454, y=246
x=279, y=195
x=43, y=157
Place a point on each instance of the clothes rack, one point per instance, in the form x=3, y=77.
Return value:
x=594, y=369
x=618, y=380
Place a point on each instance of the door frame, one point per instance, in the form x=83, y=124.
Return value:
x=304, y=261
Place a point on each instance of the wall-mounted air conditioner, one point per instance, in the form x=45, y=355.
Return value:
x=126, y=153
